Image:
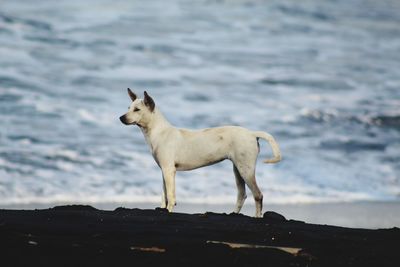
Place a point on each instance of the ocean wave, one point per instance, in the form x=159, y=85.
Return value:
x=316, y=75
x=36, y=24
x=330, y=115
x=11, y=82
x=386, y=121
x=316, y=84
x=352, y=145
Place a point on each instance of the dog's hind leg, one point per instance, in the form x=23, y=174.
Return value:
x=241, y=187
x=258, y=196
x=246, y=170
x=169, y=179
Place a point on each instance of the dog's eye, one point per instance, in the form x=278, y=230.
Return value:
x=136, y=109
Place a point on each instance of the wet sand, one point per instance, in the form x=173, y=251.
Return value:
x=85, y=236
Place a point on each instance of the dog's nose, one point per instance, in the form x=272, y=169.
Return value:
x=122, y=119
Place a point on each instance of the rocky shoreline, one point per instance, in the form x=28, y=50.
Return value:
x=84, y=236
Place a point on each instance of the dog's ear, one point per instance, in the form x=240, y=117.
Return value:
x=149, y=102
x=132, y=95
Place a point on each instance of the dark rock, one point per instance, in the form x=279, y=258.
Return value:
x=162, y=210
x=297, y=221
x=75, y=207
x=273, y=216
x=122, y=209
x=84, y=236
x=234, y=214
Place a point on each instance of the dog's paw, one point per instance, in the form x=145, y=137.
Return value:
x=161, y=210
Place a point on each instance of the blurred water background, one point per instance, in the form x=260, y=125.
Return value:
x=322, y=76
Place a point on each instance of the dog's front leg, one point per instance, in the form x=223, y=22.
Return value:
x=169, y=180
x=164, y=200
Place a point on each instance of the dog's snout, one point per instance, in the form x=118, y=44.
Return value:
x=122, y=119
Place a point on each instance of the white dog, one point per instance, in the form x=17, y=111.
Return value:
x=177, y=149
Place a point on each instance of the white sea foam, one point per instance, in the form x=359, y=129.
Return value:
x=69, y=154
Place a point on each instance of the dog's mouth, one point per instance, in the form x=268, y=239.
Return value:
x=124, y=121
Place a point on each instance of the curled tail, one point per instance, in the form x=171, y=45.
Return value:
x=274, y=145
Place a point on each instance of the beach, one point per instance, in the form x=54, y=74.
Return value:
x=80, y=235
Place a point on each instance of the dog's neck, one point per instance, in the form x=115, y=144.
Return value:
x=155, y=125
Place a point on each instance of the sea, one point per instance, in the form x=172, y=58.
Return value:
x=323, y=77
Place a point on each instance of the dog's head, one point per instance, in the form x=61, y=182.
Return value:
x=140, y=110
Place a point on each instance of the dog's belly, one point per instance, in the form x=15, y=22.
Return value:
x=188, y=166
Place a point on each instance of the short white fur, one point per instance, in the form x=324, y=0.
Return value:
x=176, y=149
